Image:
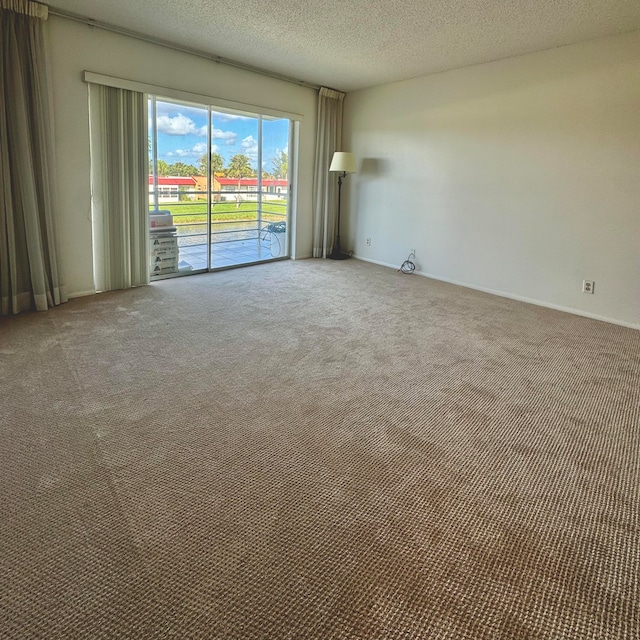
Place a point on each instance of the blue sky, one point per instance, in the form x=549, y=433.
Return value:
x=182, y=135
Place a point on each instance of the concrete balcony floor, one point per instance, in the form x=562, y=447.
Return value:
x=228, y=254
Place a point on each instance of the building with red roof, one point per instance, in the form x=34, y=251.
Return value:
x=247, y=188
x=170, y=187
x=194, y=187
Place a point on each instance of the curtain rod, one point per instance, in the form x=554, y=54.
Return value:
x=105, y=26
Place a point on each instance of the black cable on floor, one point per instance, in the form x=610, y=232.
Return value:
x=408, y=266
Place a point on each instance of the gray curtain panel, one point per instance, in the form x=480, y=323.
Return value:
x=29, y=272
x=328, y=140
x=119, y=185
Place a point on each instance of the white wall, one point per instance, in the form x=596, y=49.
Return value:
x=75, y=48
x=520, y=176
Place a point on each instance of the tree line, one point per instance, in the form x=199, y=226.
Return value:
x=239, y=167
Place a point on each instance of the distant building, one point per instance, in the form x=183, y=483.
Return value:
x=201, y=188
x=170, y=187
x=272, y=188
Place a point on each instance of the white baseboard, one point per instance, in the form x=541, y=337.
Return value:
x=302, y=257
x=512, y=296
x=81, y=294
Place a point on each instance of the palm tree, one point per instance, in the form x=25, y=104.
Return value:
x=239, y=167
x=280, y=165
x=163, y=168
x=182, y=169
x=217, y=164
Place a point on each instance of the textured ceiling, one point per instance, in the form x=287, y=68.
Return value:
x=352, y=44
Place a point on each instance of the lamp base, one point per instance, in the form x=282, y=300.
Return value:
x=338, y=255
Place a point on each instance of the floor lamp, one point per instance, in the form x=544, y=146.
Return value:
x=343, y=163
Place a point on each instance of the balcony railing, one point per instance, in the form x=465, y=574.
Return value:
x=244, y=235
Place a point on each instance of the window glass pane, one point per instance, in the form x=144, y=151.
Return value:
x=275, y=182
x=181, y=165
x=235, y=214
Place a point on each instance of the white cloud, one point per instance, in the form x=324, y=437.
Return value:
x=229, y=137
x=179, y=125
x=250, y=147
x=197, y=151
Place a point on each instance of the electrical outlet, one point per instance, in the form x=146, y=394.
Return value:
x=368, y=242
x=412, y=251
x=588, y=286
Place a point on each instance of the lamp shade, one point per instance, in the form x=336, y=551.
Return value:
x=343, y=161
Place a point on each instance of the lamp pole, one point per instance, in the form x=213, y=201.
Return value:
x=337, y=254
x=343, y=162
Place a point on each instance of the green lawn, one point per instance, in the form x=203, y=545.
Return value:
x=192, y=212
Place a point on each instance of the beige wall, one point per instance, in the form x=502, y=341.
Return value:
x=520, y=176
x=75, y=48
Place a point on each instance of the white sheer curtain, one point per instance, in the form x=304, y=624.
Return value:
x=29, y=271
x=119, y=186
x=328, y=140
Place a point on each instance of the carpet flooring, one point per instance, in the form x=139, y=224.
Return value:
x=318, y=450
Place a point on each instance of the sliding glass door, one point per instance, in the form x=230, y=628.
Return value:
x=218, y=187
